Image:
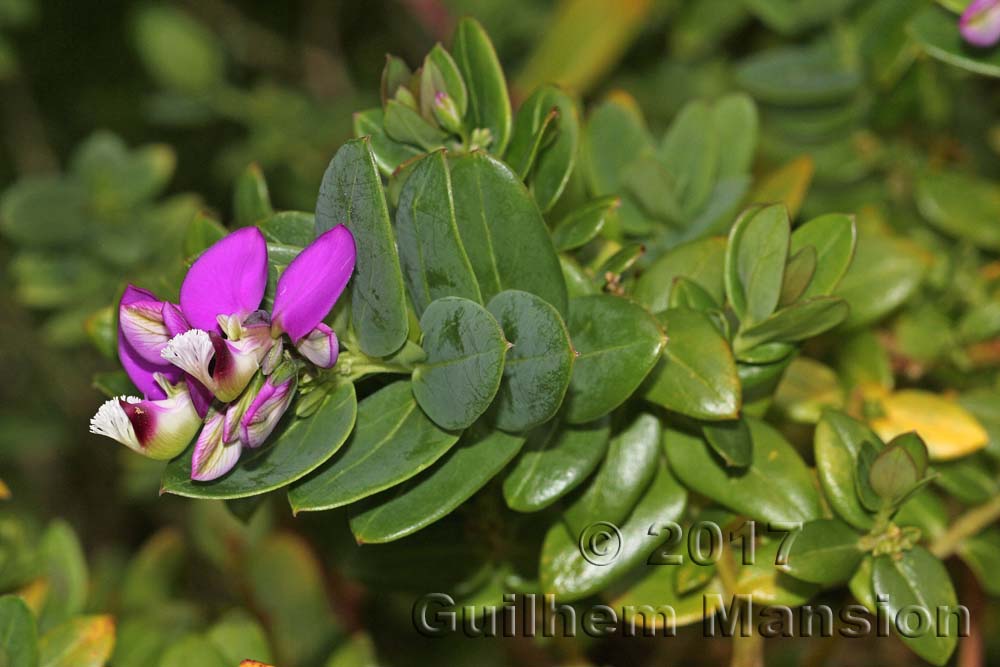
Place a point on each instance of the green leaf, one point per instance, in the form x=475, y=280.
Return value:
x=465, y=361
x=407, y=126
x=698, y=261
x=937, y=32
x=193, y=651
x=18, y=636
x=777, y=486
x=615, y=134
x=917, y=579
x=443, y=66
x=690, y=151
x=824, y=551
x=66, y=575
x=537, y=367
x=44, y=212
x=389, y=154
x=862, y=476
x=793, y=16
x=893, y=473
x=297, y=449
x=806, y=389
x=435, y=263
x=833, y=236
x=179, y=51
x=238, y=636
x=731, y=440
x=895, y=265
x=582, y=225
x=391, y=442
x=503, y=232
x=151, y=575
x=798, y=272
x=489, y=105
x=202, y=232
x=690, y=295
x=292, y=228
x=797, y=76
x=479, y=455
x=656, y=590
x=957, y=204
x=351, y=193
x=982, y=554
x=767, y=584
x=970, y=479
x=632, y=459
x=285, y=583
x=395, y=74
x=696, y=375
x=85, y=641
x=251, y=201
x=617, y=344
x=556, y=458
x=735, y=123
x=799, y=321
x=755, y=262
x=569, y=575
x=549, y=163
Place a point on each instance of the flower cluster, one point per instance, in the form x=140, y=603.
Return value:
x=216, y=361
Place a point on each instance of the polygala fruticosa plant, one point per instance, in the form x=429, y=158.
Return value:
x=589, y=362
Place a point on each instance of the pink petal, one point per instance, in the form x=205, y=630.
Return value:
x=980, y=23
x=228, y=279
x=320, y=346
x=139, y=368
x=212, y=458
x=313, y=282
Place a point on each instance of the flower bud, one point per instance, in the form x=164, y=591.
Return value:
x=320, y=346
x=159, y=429
x=446, y=113
x=269, y=405
x=213, y=457
x=980, y=23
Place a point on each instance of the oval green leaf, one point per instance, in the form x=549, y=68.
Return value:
x=481, y=454
x=465, y=359
x=537, y=368
x=392, y=441
x=297, y=449
x=824, y=551
x=617, y=344
x=489, y=104
x=351, y=194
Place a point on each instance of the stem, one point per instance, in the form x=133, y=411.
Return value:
x=967, y=525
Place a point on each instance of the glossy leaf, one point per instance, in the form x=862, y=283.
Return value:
x=434, y=261
x=389, y=154
x=565, y=572
x=696, y=374
x=690, y=151
x=824, y=551
x=489, y=104
x=556, y=458
x=465, y=360
x=698, y=261
x=735, y=122
x=777, y=486
x=731, y=440
x=918, y=579
x=957, y=204
x=297, y=449
x=479, y=455
x=833, y=236
x=351, y=194
x=548, y=171
x=582, y=225
x=503, y=232
x=539, y=364
x=896, y=266
x=631, y=462
x=617, y=344
x=755, y=262
x=805, y=319
x=391, y=442
x=85, y=641
x=19, y=647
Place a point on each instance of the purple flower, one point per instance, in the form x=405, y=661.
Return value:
x=217, y=340
x=160, y=429
x=980, y=23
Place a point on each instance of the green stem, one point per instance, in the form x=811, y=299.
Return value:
x=967, y=525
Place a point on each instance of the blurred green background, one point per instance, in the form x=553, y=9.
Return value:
x=121, y=120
